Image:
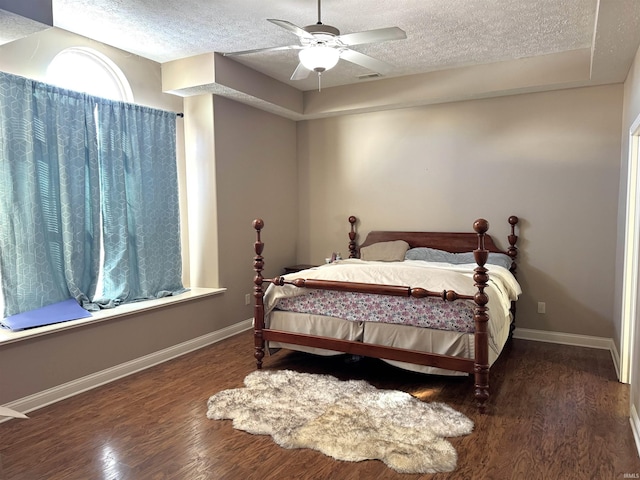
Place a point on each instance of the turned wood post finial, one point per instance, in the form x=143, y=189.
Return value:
x=353, y=251
x=512, y=251
x=480, y=226
x=258, y=261
x=513, y=238
x=481, y=255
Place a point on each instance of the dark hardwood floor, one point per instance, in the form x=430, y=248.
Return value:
x=557, y=412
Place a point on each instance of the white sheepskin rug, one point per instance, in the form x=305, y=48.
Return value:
x=347, y=420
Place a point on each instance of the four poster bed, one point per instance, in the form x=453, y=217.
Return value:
x=417, y=300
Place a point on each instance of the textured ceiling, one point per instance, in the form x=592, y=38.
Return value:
x=14, y=26
x=441, y=34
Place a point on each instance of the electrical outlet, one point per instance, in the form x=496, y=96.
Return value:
x=542, y=307
x=247, y=299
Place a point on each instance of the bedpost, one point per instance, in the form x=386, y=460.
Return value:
x=258, y=295
x=353, y=252
x=480, y=317
x=512, y=251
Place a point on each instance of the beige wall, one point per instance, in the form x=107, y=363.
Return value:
x=256, y=171
x=251, y=169
x=551, y=158
x=40, y=363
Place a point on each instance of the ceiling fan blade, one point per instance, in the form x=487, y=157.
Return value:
x=373, y=36
x=366, y=61
x=300, y=73
x=292, y=28
x=260, y=50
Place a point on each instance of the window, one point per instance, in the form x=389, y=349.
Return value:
x=85, y=177
x=87, y=70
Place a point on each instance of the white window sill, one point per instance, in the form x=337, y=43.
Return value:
x=7, y=336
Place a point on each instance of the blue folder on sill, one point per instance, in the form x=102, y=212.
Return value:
x=54, y=313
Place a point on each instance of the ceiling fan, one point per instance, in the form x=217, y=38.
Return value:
x=321, y=47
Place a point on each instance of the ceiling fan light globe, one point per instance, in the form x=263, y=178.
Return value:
x=319, y=58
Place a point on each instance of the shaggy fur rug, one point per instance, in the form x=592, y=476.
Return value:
x=347, y=420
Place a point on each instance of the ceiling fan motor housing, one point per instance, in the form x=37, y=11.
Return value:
x=319, y=28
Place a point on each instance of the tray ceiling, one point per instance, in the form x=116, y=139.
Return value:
x=442, y=35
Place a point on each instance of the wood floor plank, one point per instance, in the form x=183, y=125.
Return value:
x=556, y=412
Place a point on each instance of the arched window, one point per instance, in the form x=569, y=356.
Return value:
x=87, y=70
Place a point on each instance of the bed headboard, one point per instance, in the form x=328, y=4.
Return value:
x=454, y=242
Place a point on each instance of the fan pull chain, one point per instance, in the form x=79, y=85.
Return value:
x=319, y=81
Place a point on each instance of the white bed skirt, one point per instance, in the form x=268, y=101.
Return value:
x=400, y=336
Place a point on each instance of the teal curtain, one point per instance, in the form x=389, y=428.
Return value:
x=140, y=202
x=49, y=191
x=66, y=160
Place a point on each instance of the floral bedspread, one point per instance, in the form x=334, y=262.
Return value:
x=359, y=307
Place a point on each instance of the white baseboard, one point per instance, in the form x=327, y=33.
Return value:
x=635, y=426
x=66, y=390
x=572, y=339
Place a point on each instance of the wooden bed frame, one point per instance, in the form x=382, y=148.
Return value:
x=481, y=244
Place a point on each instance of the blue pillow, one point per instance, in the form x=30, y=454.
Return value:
x=434, y=255
x=429, y=255
x=500, y=259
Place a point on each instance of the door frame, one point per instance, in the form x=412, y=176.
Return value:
x=631, y=256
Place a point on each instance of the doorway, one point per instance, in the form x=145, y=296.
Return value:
x=631, y=256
